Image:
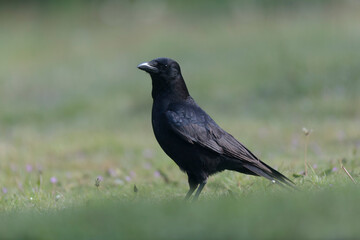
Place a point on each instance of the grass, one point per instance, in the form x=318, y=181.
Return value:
x=74, y=107
x=262, y=215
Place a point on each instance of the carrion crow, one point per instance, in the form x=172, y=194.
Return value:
x=190, y=137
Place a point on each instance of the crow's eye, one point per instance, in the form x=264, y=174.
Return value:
x=163, y=67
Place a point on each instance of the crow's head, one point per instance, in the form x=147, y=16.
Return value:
x=166, y=78
x=164, y=68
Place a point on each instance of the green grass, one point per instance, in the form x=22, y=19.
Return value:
x=73, y=106
x=320, y=215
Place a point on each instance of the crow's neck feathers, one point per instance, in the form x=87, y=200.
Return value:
x=174, y=87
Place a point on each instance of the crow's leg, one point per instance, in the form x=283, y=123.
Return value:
x=190, y=192
x=202, y=185
x=193, y=185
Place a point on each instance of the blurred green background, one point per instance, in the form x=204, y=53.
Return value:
x=74, y=108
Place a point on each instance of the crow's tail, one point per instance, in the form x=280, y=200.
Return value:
x=264, y=170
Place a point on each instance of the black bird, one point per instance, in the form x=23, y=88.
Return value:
x=190, y=137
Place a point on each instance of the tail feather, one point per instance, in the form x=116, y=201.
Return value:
x=270, y=174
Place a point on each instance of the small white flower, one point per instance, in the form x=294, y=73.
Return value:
x=57, y=197
x=306, y=131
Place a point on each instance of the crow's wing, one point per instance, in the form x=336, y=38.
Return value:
x=194, y=126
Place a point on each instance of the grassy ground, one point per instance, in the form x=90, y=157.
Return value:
x=74, y=108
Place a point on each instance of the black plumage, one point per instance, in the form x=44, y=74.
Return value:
x=190, y=137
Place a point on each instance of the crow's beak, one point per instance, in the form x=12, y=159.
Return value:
x=147, y=67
